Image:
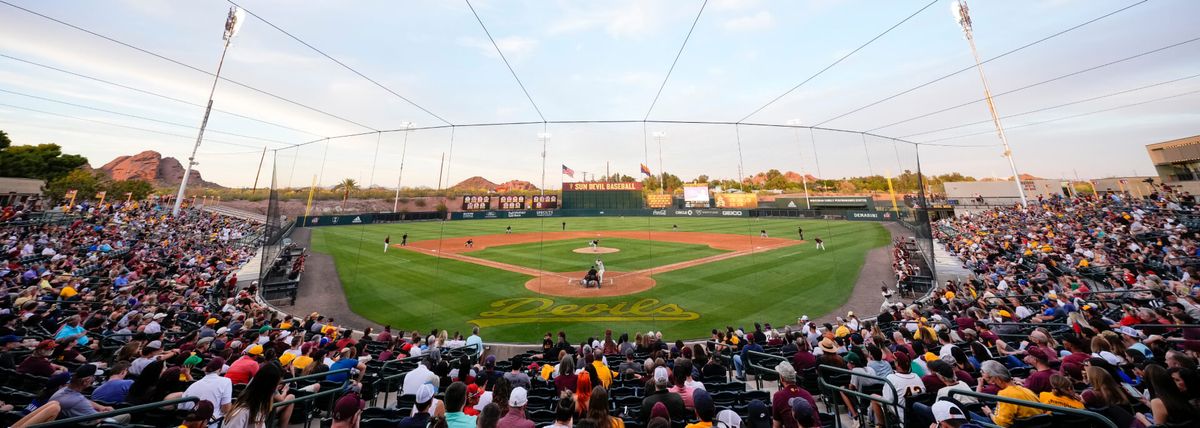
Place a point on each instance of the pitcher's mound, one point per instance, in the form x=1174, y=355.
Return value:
x=567, y=284
x=597, y=250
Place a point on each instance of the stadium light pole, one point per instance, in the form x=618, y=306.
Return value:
x=803, y=175
x=659, y=136
x=544, y=138
x=959, y=9
x=406, y=126
x=233, y=23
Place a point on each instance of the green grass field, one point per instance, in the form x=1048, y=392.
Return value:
x=411, y=290
x=557, y=256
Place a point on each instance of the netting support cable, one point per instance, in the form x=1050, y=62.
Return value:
x=374, y=160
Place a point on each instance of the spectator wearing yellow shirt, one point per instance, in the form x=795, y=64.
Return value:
x=1006, y=414
x=67, y=292
x=603, y=373
x=1062, y=393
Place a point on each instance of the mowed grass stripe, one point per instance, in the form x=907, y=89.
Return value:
x=559, y=256
x=775, y=286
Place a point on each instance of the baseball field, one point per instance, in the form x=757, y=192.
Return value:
x=684, y=276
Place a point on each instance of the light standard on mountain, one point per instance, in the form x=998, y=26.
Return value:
x=959, y=9
x=233, y=23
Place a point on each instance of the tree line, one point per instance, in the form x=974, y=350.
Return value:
x=63, y=172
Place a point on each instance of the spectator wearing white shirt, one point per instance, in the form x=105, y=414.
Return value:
x=420, y=376
x=212, y=387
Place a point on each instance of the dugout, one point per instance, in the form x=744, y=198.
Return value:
x=603, y=196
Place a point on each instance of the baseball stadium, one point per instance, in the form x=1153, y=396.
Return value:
x=621, y=214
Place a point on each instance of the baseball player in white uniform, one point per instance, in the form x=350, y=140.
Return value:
x=600, y=270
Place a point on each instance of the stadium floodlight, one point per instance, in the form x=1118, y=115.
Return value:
x=662, y=184
x=959, y=10
x=406, y=126
x=544, y=138
x=233, y=24
x=795, y=124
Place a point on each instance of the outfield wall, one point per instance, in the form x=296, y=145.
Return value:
x=353, y=219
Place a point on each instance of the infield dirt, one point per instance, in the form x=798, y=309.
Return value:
x=566, y=284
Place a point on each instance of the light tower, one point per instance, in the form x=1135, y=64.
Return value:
x=233, y=23
x=959, y=9
x=662, y=184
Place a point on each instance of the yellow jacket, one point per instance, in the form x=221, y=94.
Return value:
x=1006, y=413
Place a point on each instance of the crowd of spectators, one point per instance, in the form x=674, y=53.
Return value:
x=1078, y=303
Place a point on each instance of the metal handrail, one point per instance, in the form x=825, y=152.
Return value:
x=894, y=402
x=387, y=380
x=315, y=375
x=1034, y=404
x=313, y=396
x=75, y=421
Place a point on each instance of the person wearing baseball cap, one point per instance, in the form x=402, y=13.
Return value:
x=1039, y=380
x=788, y=389
x=661, y=394
x=347, y=411
x=38, y=363
x=7, y=344
x=213, y=388
x=948, y=415
x=72, y=400
x=758, y=415
x=995, y=373
x=518, y=398
x=474, y=395
x=424, y=405
x=706, y=410
x=199, y=416
x=244, y=369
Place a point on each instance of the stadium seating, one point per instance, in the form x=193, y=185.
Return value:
x=1106, y=282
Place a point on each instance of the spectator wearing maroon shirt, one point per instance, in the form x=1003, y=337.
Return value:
x=1075, y=346
x=803, y=359
x=781, y=409
x=38, y=363
x=1039, y=380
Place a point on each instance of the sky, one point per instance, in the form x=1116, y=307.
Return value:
x=1084, y=102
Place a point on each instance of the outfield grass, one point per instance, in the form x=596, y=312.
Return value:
x=558, y=256
x=410, y=290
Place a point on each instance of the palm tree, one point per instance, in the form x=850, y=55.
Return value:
x=346, y=186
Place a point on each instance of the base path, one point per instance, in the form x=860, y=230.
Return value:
x=566, y=284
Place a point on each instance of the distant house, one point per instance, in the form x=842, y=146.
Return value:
x=19, y=190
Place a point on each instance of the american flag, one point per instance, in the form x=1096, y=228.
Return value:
x=568, y=171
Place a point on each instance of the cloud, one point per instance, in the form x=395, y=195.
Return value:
x=515, y=48
x=629, y=19
x=759, y=21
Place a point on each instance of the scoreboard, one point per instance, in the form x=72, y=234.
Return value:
x=515, y=202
